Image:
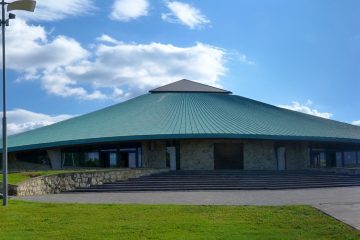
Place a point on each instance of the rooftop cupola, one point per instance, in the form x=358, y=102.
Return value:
x=185, y=85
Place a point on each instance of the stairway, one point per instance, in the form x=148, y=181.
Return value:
x=227, y=180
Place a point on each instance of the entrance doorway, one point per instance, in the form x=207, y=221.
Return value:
x=331, y=159
x=228, y=156
x=128, y=158
x=122, y=158
x=109, y=158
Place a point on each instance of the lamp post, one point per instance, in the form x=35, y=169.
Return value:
x=25, y=5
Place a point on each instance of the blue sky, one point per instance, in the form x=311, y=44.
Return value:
x=74, y=57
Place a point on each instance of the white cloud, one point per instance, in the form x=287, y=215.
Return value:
x=58, y=83
x=185, y=14
x=107, y=39
x=126, y=10
x=357, y=122
x=37, y=57
x=30, y=48
x=130, y=67
x=20, y=120
x=112, y=69
x=307, y=108
x=52, y=10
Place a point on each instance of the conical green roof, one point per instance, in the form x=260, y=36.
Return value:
x=184, y=115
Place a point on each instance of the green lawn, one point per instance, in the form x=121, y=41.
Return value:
x=27, y=220
x=15, y=178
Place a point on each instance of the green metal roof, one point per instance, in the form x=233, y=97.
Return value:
x=174, y=115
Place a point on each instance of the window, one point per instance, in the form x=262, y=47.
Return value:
x=70, y=159
x=37, y=157
x=81, y=159
x=325, y=159
x=91, y=159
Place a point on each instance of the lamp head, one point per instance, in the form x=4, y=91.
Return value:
x=25, y=5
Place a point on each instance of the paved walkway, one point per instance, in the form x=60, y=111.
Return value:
x=346, y=212
x=341, y=203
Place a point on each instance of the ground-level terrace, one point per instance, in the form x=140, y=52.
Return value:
x=195, y=154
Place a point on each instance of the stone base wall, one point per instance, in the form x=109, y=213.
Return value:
x=69, y=181
x=199, y=154
x=259, y=155
x=297, y=156
x=196, y=155
x=154, y=154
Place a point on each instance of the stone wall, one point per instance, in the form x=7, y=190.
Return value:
x=154, y=154
x=297, y=156
x=199, y=154
x=259, y=155
x=196, y=155
x=68, y=181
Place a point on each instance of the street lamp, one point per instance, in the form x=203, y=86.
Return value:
x=25, y=5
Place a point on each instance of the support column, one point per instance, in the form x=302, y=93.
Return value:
x=55, y=158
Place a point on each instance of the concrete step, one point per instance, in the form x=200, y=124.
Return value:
x=244, y=176
x=149, y=185
x=243, y=173
x=225, y=184
x=234, y=180
x=239, y=178
x=227, y=180
x=220, y=187
x=207, y=188
x=255, y=181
